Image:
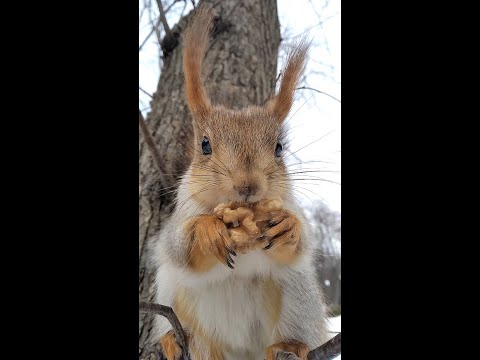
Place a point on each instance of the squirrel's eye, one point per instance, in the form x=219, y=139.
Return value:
x=206, y=148
x=278, y=150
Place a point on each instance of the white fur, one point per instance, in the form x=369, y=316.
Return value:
x=228, y=303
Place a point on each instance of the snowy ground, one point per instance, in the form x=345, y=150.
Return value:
x=335, y=325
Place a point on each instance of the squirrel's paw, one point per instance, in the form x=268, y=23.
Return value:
x=295, y=347
x=171, y=350
x=283, y=229
x=210, y=238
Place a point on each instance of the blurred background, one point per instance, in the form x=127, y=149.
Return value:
x=314, y=122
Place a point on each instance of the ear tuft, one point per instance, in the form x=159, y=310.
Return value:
x=195, y=43
x=281, y=104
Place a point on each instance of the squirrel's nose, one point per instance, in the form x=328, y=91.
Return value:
x=246, y=189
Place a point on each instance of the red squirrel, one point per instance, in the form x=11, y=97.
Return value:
x=235, y=257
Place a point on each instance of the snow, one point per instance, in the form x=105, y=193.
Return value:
x=334, y=325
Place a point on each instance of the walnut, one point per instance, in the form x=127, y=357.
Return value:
x=245, y=223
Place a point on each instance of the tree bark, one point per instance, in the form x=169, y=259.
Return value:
x=240, y=69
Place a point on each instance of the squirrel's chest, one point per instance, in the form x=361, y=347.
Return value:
x=237, y=313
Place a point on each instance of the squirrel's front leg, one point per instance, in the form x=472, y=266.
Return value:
x=209, y=243
x=283, y=233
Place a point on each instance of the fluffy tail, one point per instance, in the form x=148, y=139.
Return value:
x=195, y=43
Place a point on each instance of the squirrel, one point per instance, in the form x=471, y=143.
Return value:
x=234, y=259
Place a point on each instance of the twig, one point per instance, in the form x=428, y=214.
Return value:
x=163, y=18
x=150, y=34
x=170, y=6
x=321, y=92
x=146, y=93
x=157, y=159
x=273, y=89
x=167, y=311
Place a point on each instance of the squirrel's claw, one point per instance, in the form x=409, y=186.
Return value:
x=270, y=244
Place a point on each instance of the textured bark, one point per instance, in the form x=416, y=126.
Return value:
x=239, y=69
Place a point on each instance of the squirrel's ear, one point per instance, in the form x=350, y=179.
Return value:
x=195, y=42
x=280, y=105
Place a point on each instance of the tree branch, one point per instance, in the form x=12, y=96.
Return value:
x=328, y=351
x=321, y=92
x=150, y=34
x=145, y=92
x=273, y=89
x=167, y=311
x=168, y=32
x=173, y=3
x=157, y=159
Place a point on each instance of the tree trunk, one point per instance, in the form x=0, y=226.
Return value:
x=239, y=69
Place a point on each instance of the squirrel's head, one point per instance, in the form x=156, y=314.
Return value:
x=237, y=155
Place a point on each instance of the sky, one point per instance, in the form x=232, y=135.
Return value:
x=314, y=120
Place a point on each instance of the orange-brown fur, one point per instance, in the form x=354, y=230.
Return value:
x=214, y=177
x=209, y=242
x=280, y=105
x=195, y=44
x=170, y=348
x=272, y=297
x=296, y=347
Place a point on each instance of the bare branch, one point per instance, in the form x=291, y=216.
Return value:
x=321, y=92
x=273, y=89
x=149, y=34
x=146, y=93
x=152, y=147
x=167, y=311
x=143, y=10
x=171, y=5
x=184, y=7
x=328, y=351
x=163, y=18
x=315, y=10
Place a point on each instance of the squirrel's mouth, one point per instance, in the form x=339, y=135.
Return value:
x=248, y=199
